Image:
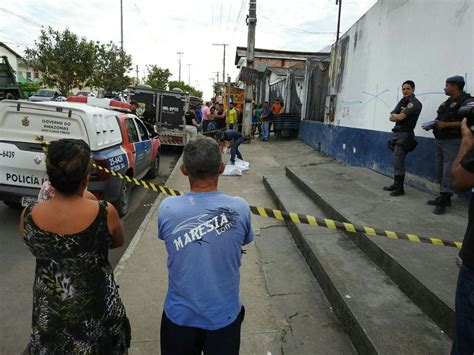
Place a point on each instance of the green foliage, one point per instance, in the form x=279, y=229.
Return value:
x=30, y=88
x=65, y=60
x=110, y=67
x=157, y=77
x=185, y=87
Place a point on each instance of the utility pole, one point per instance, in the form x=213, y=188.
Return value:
x=251, y=23
x=137, y=73
x=223, y=61
x=189, y=74
x=121, y=25
x=213, y=85
x=217, y=75
x=179, y=61
x=338, y=2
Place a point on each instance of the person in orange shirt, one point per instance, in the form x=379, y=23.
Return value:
x=277, y=107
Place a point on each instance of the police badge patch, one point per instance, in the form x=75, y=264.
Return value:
x=410, y=105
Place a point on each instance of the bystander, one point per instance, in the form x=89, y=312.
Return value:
x=203, y=231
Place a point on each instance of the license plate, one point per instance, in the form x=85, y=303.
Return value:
x=27, y=200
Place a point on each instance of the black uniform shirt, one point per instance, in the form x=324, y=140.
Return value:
x=189, y=116
x=411, y=107
x=447, y=112
x=467, y=251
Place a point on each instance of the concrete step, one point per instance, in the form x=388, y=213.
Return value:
x=426, y=273
x=298, y=302
x=379, y=318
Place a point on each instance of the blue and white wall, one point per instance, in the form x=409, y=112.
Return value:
x=422, y=40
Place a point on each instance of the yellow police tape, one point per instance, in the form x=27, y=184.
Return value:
x=300, y=218
x=290, y=216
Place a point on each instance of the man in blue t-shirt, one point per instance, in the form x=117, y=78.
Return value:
x=203, y=231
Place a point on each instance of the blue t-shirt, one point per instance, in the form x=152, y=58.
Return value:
x=203, y=233
x=198, y=114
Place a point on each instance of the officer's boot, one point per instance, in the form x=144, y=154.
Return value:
x=437, y=199
x=443, y=202
x=399, y=190
x=390, y=187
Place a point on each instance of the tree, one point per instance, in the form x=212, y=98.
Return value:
x=65, y=60
x=157, y=77
x=110, y=68
x=185, y=87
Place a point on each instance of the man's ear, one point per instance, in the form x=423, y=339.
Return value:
x=221, y=168
x=183, y=169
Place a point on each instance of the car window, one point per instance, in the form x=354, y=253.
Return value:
x=131, y=131
x=143, y=131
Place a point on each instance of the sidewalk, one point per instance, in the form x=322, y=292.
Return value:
x=286, y=309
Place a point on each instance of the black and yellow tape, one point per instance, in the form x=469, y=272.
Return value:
x=302, y=218
x=292, y=216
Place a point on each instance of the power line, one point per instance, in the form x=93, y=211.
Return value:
x=228, y=17
x=294, y=29
x=220, y=19
x=21, y=16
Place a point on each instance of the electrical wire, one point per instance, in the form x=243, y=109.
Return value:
x=294, y=29
x=21, y=16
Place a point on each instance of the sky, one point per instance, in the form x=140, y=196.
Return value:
x=156, y=30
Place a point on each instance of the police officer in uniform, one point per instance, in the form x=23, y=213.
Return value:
x=448, y=139
x=405, y=115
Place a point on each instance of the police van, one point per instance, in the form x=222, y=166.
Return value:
x=164, y=109
x=118, y=140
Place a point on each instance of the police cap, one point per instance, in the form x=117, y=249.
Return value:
x=457, y=80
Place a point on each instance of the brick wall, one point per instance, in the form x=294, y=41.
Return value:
x=280, y=62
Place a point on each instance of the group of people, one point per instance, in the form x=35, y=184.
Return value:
x=455, y=170
x=447, y=132
x=209, y=118
x=76, y=304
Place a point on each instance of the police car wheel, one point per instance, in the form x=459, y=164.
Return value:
x=123, y=202
x=155, y=168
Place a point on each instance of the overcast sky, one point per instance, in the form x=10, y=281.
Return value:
x=154, y=31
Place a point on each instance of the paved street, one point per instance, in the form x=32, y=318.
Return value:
x=17, y=271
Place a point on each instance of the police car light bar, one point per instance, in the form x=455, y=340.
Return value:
x=100, y=102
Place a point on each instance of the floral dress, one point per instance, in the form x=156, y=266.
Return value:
x=76, y=305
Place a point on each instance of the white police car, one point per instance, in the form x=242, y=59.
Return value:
x=118, y=140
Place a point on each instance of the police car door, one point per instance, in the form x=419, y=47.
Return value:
x=143, y=148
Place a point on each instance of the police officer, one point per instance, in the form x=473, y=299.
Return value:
x=448, y=138
x=405, y=115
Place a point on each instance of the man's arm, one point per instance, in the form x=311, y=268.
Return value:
x=443, y=124
x=463, y=167
x=397, y=117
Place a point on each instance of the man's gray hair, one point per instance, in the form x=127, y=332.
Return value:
x=202, y=157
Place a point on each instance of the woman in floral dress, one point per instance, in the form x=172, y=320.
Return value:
x=76, y=305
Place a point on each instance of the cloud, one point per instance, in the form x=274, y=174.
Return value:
x=154, y=31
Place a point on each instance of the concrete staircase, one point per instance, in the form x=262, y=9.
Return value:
x=392, y=296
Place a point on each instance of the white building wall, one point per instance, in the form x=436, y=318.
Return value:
x=11, y=57
x=422, y=40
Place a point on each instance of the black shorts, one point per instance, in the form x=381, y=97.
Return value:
x=181, y=340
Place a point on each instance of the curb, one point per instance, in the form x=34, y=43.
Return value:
x=120, y=267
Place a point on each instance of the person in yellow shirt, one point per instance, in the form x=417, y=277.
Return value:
x=231, y=119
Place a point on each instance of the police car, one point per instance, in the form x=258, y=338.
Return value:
x=118, y=140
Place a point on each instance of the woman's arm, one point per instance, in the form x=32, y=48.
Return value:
x=115, y=227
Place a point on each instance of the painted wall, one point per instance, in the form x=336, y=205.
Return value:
x=396, y=40
x=367, y=148
x=422, y=40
